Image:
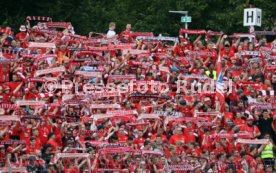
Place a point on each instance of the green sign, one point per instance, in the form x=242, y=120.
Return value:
x=186, y=19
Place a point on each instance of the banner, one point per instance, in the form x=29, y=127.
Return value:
x=7, y=31
x=72, y=155
x=144, y=38
x=133, y=51
x=200, y=53
x=236, y=68
x=75, y=36
x=96, y=143
x=58, y=24
x=136, y=34
x=89, y=132
x=29, y=103
x=207, y=124
x=102, y=116
x=89, y=73
x=35, y=117
x=164, y=69
x=11, y=142
x=263, y=107
x=143, y=64
x=242, y=35
x=152, y=152
x=111, y=170
x=106, y=95
x=207, y=113
x=45, y=31
x=9, y=118
x=189, y=31
x=105, y=106
x=250, y=53
x=36, y=79
x=122, y=112
x=213, y=33
x=253, y=141
x=180, y=119
x=50, y=70
x=39, y=18
x=193, y=76
x=270, y=67
x=137, y=124
x=181, y=167
x=8, y=106
x=88, y=62
x=232, y=135
x=5, y=60
x=13, y=169
x=254, y=60
x=149, y=95
x=75, y=102
x=171, y=113
x=116, y=150
x=42, y=45
x=148, y=116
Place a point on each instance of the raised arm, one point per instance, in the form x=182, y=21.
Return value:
x=197, y=39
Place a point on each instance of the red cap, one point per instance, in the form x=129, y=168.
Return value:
x=9, y=149
x=183, y=40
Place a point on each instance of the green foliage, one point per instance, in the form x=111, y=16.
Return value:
x=144, y=15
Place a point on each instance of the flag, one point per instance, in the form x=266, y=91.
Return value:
x=220, y=85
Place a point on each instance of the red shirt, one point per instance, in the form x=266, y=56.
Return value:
x=74, y=169
x=251, y=161
x=32, y=149
x=190, y=135
x=179, y=50
x=175, y=138
x=125, y=36
x=4, y=72
x=43, y=134
x=122, y=138
x=253, y=129
x=239, y=122
x=25, y=134
x=21, y=36
x=228, y=54
x=139, y=142
x=53, y=143
x=163, y=137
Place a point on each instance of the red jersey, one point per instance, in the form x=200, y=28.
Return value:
x=175, y=138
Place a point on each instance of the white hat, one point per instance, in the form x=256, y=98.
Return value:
x=22, y=28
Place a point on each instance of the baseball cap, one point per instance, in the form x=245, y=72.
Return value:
x=206, y=99
x=239, y=91
x=182, y=102
x=226, y=44
x=22, y=28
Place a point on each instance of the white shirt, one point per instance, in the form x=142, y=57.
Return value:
x=110, y=34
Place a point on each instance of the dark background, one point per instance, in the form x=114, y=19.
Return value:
x=144, y=15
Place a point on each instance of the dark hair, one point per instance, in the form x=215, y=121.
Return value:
x=130, y=138
x=212, y=165
x=219, y=155
x=243, y=153
x=51, y=134
x=32, y=138
x=252, y=148
x=229, y=155
x=159, y=136
x=146, y=143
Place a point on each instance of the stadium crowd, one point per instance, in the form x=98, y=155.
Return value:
x=50, y=123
